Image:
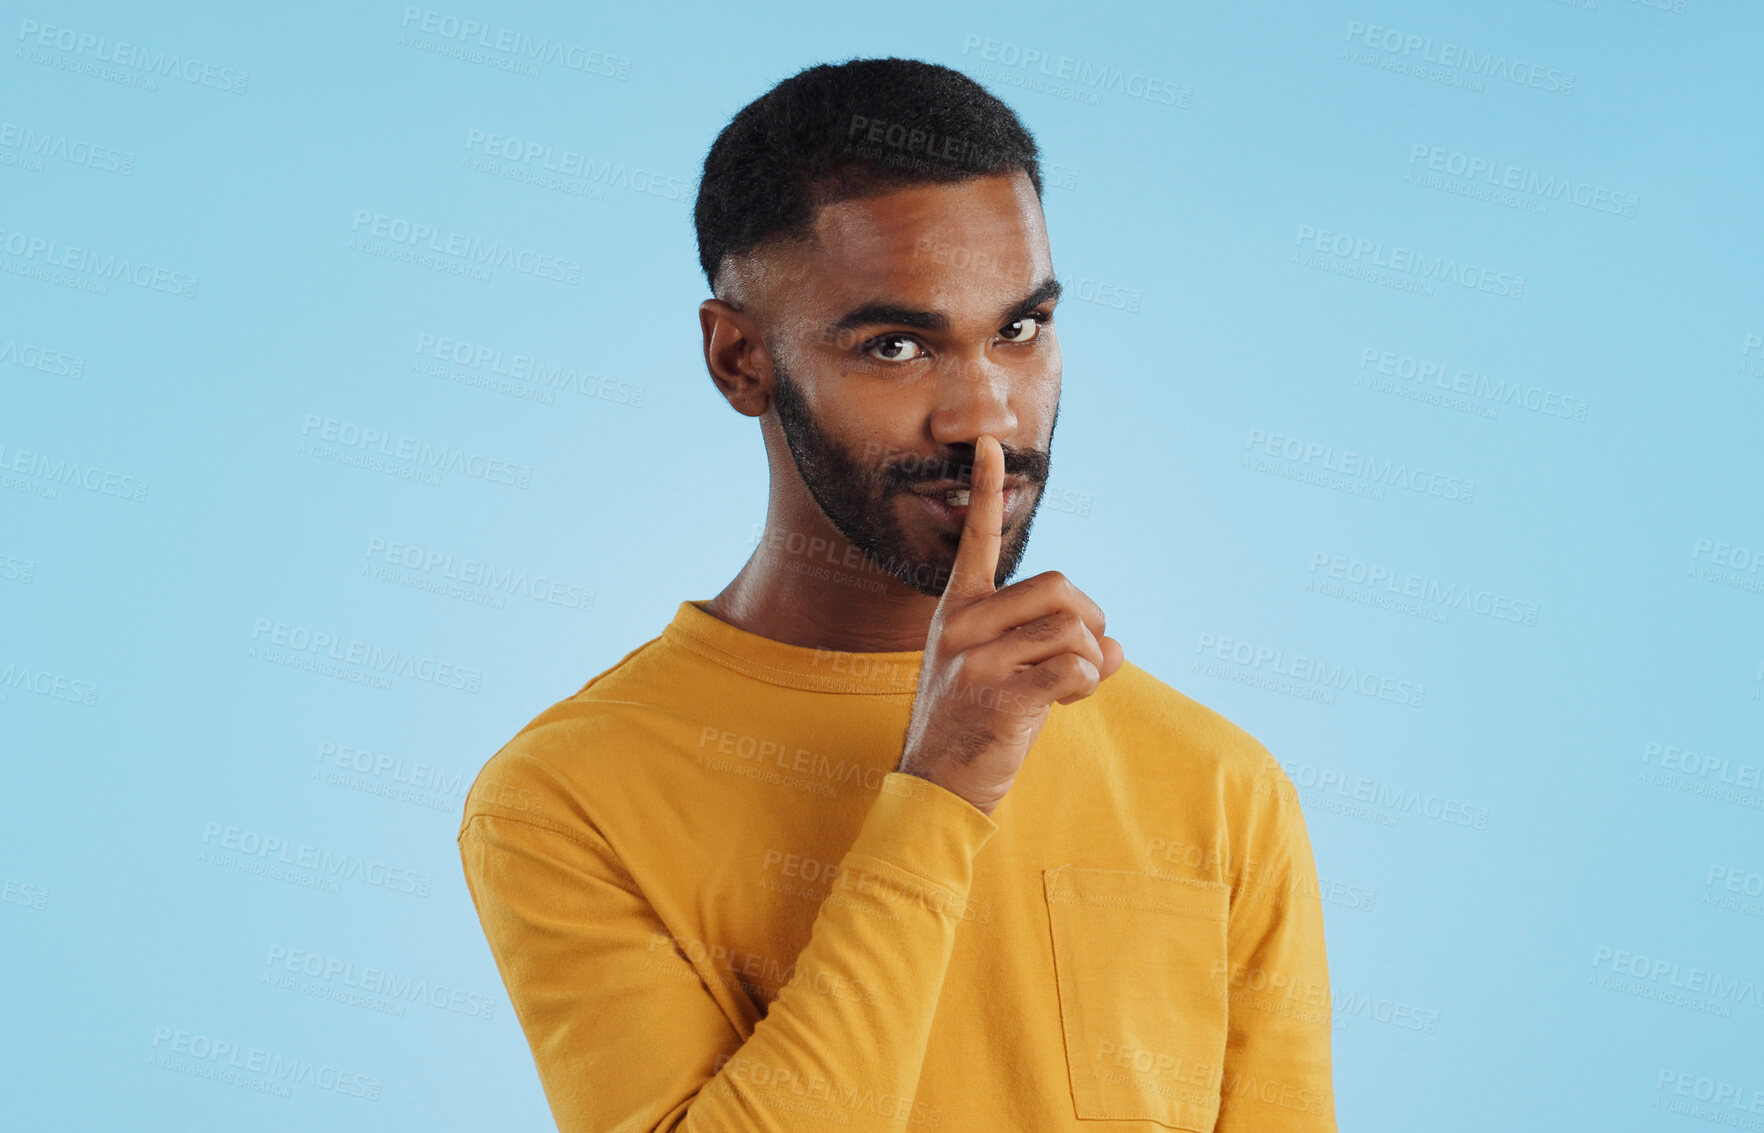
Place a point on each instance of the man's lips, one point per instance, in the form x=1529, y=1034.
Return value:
x=931, y=498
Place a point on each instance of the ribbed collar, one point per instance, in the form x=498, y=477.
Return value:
x=794, y=666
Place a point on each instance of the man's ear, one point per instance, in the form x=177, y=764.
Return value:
x=735, y=354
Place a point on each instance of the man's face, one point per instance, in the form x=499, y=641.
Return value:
x=914, y=322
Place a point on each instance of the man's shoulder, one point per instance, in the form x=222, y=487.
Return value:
x=1181, y=748
x=541, y=774
x=1170, y=724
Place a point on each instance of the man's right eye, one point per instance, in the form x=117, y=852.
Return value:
x=893, y=348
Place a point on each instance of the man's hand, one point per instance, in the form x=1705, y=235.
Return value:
x=995, y=660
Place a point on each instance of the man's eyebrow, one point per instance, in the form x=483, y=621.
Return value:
x=897, y=314
x=1048, y=290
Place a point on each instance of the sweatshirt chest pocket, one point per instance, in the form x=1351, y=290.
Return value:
x=1141, y=966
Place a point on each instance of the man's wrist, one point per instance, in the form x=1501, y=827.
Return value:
x=983, y=801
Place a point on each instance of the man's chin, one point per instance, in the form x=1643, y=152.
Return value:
x=927, y=571
x=926, y=565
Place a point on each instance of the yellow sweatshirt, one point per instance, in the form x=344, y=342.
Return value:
x=716, y=908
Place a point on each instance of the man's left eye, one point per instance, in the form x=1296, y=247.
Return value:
x=1023, y=330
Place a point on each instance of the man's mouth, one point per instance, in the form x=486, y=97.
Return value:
x=948, y=501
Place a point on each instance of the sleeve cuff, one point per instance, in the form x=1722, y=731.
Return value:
x=931, y=832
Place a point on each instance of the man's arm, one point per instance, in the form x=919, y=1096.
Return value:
x=1277, y=1072
x=626, y=1035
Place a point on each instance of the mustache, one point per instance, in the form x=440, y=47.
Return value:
x=957, y=464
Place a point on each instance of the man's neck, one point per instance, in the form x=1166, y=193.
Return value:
x=823, y=597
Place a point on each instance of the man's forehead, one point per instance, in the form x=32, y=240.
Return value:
x=958, y=257
x=983, y=234
x=974, y=240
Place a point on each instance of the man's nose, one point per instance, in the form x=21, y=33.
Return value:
x=973, y=397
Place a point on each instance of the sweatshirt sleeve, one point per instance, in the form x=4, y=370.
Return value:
x=624, y=1032
x=1277, y=1071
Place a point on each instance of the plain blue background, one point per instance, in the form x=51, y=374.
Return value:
x=1544, y=967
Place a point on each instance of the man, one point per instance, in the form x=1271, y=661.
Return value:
x=791, y=865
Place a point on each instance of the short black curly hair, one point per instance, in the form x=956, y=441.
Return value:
x=833, y=132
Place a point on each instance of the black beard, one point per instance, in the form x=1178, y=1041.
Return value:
x=856, y=499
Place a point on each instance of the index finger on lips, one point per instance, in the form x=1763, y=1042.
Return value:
x=976, y=562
